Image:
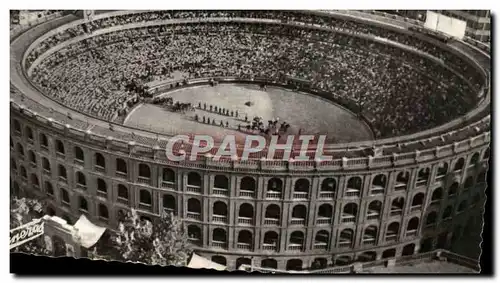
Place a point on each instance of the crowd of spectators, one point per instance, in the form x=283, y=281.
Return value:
x=398, y=91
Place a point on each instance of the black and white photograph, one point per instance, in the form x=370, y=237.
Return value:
x=251, y=141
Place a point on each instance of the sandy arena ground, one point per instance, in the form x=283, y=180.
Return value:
x=310, y=114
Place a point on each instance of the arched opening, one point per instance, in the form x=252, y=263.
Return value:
x=46, y=165
x=169, y=204
x=417, y=202
x=274, y=188
x=11, y=143
x=431, y=219
x=296, y=241
x=402, y=180
x=269, y=263
x=44, y=141
x=194, y=180
x=374, y=210
x=243, y=261
x=325, y=214
x=121, y=167
x=426, y=245
x=194, y=234
x=349, y=212
x=453, y=189
x=469, y=183
x=194, y=209
x=437, y=196
x=272, y=216
x=354, y=187
x=319, y=263
x=103, y=212
x=221, y=182
x=83, y=205
x=58, y=246
x=20, y=150
x=168, y=176
x=442, y=241
x=80, y=180
x=346, y=238
x=17, y=127
x=59, y=147
x=301, y=189
x=79, y=156
x=321, y=240
x=102, y=187
x=343, y=260
x=34, y=181
x=62, y=173
x=24, y=174
x=219, y=212
x=328, y=188
x=299, y=214
x=144, y=171
x=219, y=260
x=32, y=158
x=245, y=240
x=459, y=165
x=367, y=256
x=481, y=177
x=423, y=177
x=145, y=198
x=247, y=187
x=447, y=213
x=379, y=184
x=397, y=206
x=13, y=165
x=245, y=214
x=29, y=134
x=219, y=238
x=392, y=232
x=390, y=253
x=49, y=190
x=462, y=206
x=122, y=193
x=474, y=159
x=408, y=250
x=486, y=153
x=412, y=227
x=294, y=264
x=370, y=235
x=442, y=170
x=271, y=241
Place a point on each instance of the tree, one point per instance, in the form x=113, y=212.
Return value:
x=22, y=211
x=164, y=242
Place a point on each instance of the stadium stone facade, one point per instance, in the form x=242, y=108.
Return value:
x=274, y=214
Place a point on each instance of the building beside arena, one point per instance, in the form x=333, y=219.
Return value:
x=417, y=187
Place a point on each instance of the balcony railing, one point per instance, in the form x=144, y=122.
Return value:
x=416, y=208
x=372, y=215
x=368, y=241
x=395, y=212
x=320, y=246
x=270, y=247
x=103, y=194
x=400, y=186
x=122, y=200
x=244, y=246
x=391, y=237
x=271, y=221
x=143, y=180
x=194, y=215
x=30, y=140
x=377, y=190
x=99, y=169
x=250, y=194
x=120, y=174
x=298, y=221
x=411, y=233
x=300, y=195
x=220, y=192
x=46, y=171
x=195, y=241
x=81, y=186
x=193, y=189
x=327, y=195
x=33, y=164
x=439, y=177
x=345, y=244
x=145, y=206
x=295, y=247
x=273, y=195
x=219, y=244
x=435, y=202
x=324, y=220
x=79, y=162
x=421, y=182
x=245, y=220
x=168, y=185
x=348, y=218
x=65, y=203
x=219, y=218
x=63, y=179
x=103, y=219
x=168, y=210
x=352, y=192
x=60, y=155
x=44, y=147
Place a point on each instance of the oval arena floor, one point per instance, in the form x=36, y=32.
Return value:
x=305, y=113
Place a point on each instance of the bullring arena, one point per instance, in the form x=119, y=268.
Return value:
x=406, y=112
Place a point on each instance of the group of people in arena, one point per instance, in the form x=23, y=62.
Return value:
x=398, y=91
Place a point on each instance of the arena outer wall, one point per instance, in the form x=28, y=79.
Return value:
x=57, y=158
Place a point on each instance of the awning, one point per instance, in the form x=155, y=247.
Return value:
x=89, y=233
x=199, y=262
